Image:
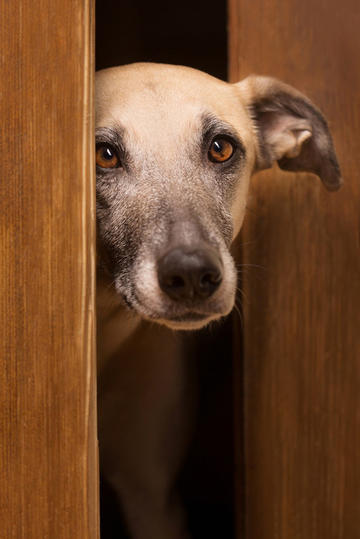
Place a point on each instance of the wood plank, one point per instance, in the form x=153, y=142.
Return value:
x=301, y=339
x=48, y=452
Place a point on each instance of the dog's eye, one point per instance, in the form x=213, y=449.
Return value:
x=106, y=156
x=220, y=150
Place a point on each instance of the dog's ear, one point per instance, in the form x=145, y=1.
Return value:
x=290, y=130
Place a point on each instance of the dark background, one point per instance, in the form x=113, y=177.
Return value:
x=193, y=34
x=186, y=33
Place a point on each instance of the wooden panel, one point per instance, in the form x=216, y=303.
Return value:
x=48, y=458
x=301, y=338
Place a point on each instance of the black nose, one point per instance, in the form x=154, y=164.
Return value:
x=189, y=274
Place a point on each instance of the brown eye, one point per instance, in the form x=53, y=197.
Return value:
x=106, y=156
x=220, y=150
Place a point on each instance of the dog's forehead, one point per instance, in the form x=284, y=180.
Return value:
x=148, y=98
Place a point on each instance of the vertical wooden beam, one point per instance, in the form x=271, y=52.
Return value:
x=301, y=338
x=48, y=454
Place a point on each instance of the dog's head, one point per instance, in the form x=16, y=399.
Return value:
x=175, y=151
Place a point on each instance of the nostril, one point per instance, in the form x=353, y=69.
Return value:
x=210, y=281
x=172, y=282
x=210, y=278
x=175, y=281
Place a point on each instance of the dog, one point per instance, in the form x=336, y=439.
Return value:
x=175, y=151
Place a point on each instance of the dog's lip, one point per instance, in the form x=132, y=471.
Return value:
x=188, y=321
x=185, y=317
x=188, y=317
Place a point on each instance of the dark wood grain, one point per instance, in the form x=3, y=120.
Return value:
x=301, y=368
x=48, y=455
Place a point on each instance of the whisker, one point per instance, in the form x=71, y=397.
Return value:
x=245, y=265
x=241, y=315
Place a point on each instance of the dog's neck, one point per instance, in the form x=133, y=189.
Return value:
x=115, y=323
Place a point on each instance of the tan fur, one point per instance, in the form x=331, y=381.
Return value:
x=144, y=383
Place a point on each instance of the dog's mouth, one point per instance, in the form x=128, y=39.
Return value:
x=188, y=321
x=189, y=317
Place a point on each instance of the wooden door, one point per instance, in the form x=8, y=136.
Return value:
x=48, y=453
x=301, y=367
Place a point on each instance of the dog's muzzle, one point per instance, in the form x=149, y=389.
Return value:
x=190, y=275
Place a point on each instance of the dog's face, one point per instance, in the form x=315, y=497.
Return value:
x=175, y=152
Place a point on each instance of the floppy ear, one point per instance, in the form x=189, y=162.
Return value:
x=290, y=130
